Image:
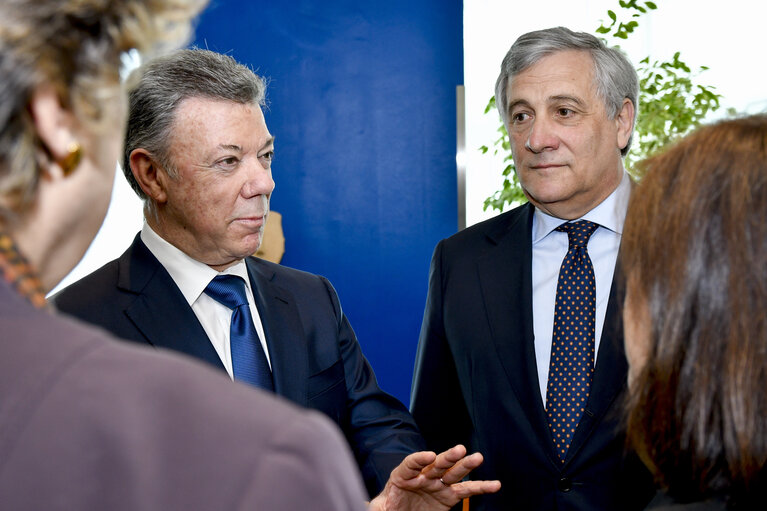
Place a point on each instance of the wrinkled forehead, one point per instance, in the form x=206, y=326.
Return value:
x=201, y=120
x=203, y=108
x=565, y=65
x=567, y=73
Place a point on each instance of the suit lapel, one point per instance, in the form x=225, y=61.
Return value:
x=611, y=368
x=285, y=337
x=160, y=310
x=505, y=275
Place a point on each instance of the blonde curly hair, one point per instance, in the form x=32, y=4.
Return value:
x=75, y=46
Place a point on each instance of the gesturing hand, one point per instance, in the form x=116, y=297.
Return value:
x=425, y=481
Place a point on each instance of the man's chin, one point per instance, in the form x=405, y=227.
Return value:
x=253, y=243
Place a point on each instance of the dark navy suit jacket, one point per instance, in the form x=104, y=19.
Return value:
x=316, y=359
x=476, y=380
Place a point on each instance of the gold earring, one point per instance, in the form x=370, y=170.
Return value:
x=69, y=162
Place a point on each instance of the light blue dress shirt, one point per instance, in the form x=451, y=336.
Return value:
x=549, y=250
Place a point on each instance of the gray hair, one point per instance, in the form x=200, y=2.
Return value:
x=167, y=81
x=615, y=77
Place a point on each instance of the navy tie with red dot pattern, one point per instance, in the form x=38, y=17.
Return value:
x=572, y=347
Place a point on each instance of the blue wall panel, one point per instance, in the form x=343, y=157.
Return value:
x=361, y=100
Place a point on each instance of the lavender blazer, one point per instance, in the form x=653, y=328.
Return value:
x=90, y=423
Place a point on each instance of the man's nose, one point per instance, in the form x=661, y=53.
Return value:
x=542, y=136
x=259, y=180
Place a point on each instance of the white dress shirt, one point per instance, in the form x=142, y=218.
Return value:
x=192, y=277
x=549, y=250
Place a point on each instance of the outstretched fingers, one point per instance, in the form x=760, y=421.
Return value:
x=414, y=464
x=467, y=489
x=453, y=465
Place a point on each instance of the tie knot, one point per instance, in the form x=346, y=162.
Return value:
x=228, y=290
x=578, y=233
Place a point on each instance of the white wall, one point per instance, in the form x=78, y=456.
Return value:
x=124, y=219
x=727, y=37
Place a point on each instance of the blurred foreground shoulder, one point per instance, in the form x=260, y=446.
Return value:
x=90, y=423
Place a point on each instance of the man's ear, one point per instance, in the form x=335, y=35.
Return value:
x=625, y=123
x=148, y=175
x=55, y=126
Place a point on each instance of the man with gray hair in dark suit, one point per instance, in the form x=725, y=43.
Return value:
x=199, y=153
x=521, y=349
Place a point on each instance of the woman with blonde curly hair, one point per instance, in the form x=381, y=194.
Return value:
x=87, y=422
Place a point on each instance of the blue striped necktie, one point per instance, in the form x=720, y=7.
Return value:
x=249, y=362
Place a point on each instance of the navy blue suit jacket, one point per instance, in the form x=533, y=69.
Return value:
x=316, y=359
x=476, y=380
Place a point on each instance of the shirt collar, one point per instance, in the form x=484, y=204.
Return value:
x=191, y=276
x=610, y=213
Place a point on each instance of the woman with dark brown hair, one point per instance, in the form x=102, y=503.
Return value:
x=694, y=252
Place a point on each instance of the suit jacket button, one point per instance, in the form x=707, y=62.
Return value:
x=565, y=484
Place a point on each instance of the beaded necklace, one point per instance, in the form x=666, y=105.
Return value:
x=16, y=270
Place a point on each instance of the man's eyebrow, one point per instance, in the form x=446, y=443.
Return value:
x=230, y=147
x=268, y=143
x=516, y=103
x=551, y=99
x=565, y=97
x=235, y=147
